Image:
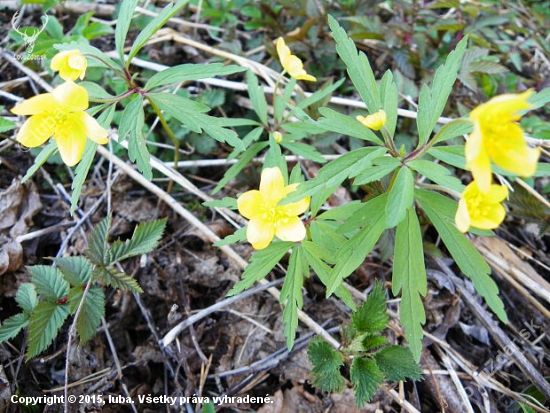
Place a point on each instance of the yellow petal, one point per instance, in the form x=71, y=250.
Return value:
x=37, y=104
x=250, y=203
x=94, y=130
x=36, y=130
x=296, y=208
x=272, y=185
x=259, y=233
x=291, y=229
x=462, y=217
x=478, y=161
x=495, y=215
x=283, y=51
x=496, y=194
x=72, y=96
x=513, y=154
x=71, y=139
x=70, y=64
x=58, y=60
x=506, y=105
x=376, y=121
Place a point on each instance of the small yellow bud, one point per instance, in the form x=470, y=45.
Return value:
x=278, y=136
x=376, y=121
x=70, y=64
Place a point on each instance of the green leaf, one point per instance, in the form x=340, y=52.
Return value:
x=92, y=310
x=95, y=91
x=326, y=366
x=366, y=342
x=237, y=236
x=335, y=172
x=117, y=279
x=372, y=316
x=144, y=239
x=76, y=270
x=44, y=323
x=292, y=293
x=397, y=364
x=131, y=124
x=280, y=103
x=154, y=25
x=12, y=326
x=363, y=216
x=41, y=159
x=457, y=127
x=257, y=96
x=26, y=297
x=436, y=173
x=189, y=72
x=441, y=211
x=366, y=377
x=343, y=124
x=409, y=277
x=305, y=150
x=97, y=242
x=357, y=64
x=400, y=197
x=5, y=124
x=261, y=263
x=49, y=282
x=225, y=202
x=320, y=95
x=388, y=92
x=124, y=20
x=432, y=101
x=452, y=155
x=379, y=169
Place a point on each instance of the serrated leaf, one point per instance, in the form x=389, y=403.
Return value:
x=436, y=173
x=49, y=282
x=261, y=263
x=326, y=366
x=76, y=270
x=397, y=363
x=97, y=242
x=92, y=310
x=409, y=277
x=468, y=259
x=257, y=96
x=345, y=125
x=12, y=326
x=124, y=20
x=358, y=67
x=41, y=159
x=487, y=66
x=131, y=124
x=237, y=236
x=291, y=293
x=144, y=239
x=366, y=377
x=188, y=72
x=400, y=197
x=432, y=101
x=116, y=279
x=26, y=297
x=44, y=323
x=372, y=316
x=366, y=342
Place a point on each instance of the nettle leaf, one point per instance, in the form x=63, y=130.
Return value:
x=441, y=211
x=358, y=67
x=397, y=364
x=41, y=159
x=117, y=279
x=261, y=263
x=12, y=326
x=345, y=125
x=257, y=96
x=437, y=173
x=335, y=172
x=49, y=282
x=76, y=270
x=409, y=277
x=432, y=101
x=26, y=297
x=124, y=20
x=188, y=72
x=326, y=366
x=144, y=239
x=367, y=341
x=400, y=197
x=92, y=310
x=44, y=323
x=292, y=293
x=372, y=316
x=366, y=377
x=97, y=242
x=131, y=124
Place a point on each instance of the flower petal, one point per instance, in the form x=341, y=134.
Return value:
x=477, y=160
x=514, y=155
x=283, y=51
x=291, y=229
x=250, y=203
x=272, y=185
x=496, y=194
x=462, y=217
x=495, y=216
x=94, y=130
x=44, y=102
x=72, y=96
x=296, y=208
x=36, y=130
x=71, y=138
x=259, y=233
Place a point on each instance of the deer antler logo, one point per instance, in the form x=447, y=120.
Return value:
x=29, y=35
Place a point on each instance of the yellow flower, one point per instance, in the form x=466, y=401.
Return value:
x=70, y=64
x=60, y=115
x=292, y=64
x=482, y=210
x=268, y=219
x=376, y=121
x=278, y=136
x=498, y=138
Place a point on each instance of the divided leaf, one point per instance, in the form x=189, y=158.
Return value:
x=49, y=282
x=76, y=270
x=117, y=279
x=145, y=238
x=131, y=124
x=292, y=293
x=97, y=242
x=188, y=72
x=400, y=197
x=44, y=323
x=92, y=310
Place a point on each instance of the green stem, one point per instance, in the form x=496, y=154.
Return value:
x=388, y=140
x=118, y=72
x=439, y=188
